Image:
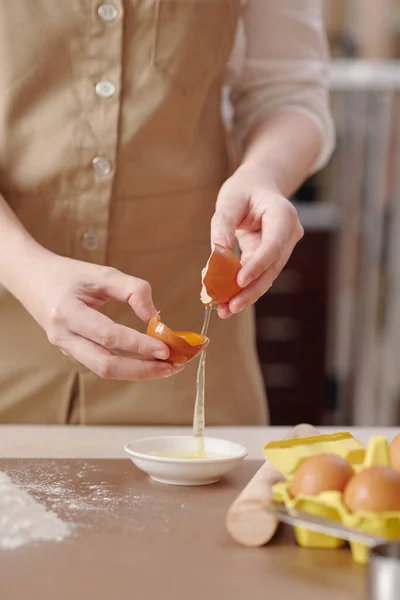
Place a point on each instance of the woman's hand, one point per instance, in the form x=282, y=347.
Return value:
x=62, y=294
x=251, y=208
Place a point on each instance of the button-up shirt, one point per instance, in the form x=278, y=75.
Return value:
x=79, y=87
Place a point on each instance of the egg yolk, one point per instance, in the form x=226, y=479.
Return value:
x=194, y=339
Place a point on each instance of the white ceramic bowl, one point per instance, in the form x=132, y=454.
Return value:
x=185, y=471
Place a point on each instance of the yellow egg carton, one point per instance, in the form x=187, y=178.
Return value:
x=287, y=455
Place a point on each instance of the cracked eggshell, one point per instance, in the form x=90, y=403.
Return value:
x=219, y=277
x=183, y=345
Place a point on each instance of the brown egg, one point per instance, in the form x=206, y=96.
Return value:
x=219, y=276
x=321, y=473
x=376, y=489
x=394, y=450
x=183, y=345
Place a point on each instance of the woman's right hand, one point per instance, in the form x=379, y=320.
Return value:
x=62, y=295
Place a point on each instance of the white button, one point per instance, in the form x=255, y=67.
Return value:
x=90, y=240
x=107, y=12
x=101, y=165
x=105, y=89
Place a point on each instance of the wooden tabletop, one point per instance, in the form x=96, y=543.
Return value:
x=135, y=538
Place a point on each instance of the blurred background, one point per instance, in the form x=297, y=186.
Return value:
x=329, y=329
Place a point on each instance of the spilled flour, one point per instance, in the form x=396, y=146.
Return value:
x=52, y=483
x=54, y=499
x=87, y=501
x=24, y=520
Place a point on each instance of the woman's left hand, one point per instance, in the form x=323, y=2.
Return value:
x=251, y=208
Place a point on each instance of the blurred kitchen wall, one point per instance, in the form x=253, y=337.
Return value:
x=329, y=330
x=368, y=29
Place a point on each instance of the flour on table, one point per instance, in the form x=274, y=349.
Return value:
x=24, y=520
x=93, y=504
x=51, y=482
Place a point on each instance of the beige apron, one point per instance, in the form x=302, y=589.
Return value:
x=112, y=151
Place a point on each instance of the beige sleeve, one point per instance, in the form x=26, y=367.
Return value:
x=284, y=66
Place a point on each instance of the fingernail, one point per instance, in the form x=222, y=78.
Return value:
x=160, y=354
x=236, y=308
x=171, y=371
x=220, y=241
x=244, y=281
x=243, y=278
x=223, y=313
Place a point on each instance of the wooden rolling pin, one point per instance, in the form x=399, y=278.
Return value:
x=247, y=520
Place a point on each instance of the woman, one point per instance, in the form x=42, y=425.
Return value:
x=112, y=155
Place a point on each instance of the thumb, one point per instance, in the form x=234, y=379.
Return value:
x=132, y=290
x=229, y=213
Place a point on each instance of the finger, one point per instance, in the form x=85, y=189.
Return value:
x=230, y=211
x=256, y=289
x=275, y=236
x=224, y=311
x=94, y=326
x=125, y=288
x=110, y=366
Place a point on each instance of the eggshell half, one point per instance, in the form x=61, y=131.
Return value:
x=183, y=345
x=219, y=277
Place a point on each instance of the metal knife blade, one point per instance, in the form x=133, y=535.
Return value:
x=318, y=524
